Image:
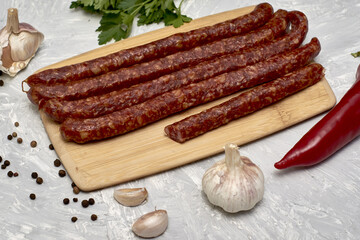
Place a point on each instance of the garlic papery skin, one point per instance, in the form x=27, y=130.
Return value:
x=234, y=183
x=151, y=225
x=18, y=42
x=131, y=197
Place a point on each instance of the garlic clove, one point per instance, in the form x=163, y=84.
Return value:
x=234, y=183
x=151, y=225
x=18, y=42
x=131, y=197
x=24, y=45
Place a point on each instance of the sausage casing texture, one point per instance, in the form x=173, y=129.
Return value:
x=160, y=48
x=103, y=104
x=128, y=119
x=245, y=103
x=126, y=77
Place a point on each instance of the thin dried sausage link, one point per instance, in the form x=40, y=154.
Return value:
x=126, y=77
x=99, y=105
x=245, y=103
x=128, y=119
x=160, y=48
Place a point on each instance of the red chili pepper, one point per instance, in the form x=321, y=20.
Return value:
x=337, y=128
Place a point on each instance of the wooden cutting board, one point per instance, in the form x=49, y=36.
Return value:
x=148, y=151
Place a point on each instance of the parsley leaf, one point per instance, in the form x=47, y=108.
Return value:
x=175, y=19
x=118, y=15
x=356, y=54
x=110, y=28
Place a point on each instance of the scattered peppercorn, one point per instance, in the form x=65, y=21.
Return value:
x=19, y=140
x=39, y=180
x=93, y=217
x=73, y=184
x=33, y=144
x=9, y=137
x=74, y=219
x=76, y=190
x=16, y=174
x=32, y=196
x=16, y=124
x=75, y=199
x=91, y=201
x=7, y=163
x=34, y=175
x=57, y=163
x=3, y=166
x=0, y=159
x=85, y=203
x=10, y=174
x=66, y=201
x=14, y=134
x=1, y=83
x=62, y=173
x=51, y=147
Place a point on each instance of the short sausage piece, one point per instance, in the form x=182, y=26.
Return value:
x=96, y=106
x=126, y=77
x=245, y=103
x=128, y=119
x=160, y=48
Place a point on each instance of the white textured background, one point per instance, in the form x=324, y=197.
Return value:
x=321, y=202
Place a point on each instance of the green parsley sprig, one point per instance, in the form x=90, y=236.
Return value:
x=118, y=15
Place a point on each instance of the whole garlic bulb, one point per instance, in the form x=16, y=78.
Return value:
x=18, y=44
x=234, y=183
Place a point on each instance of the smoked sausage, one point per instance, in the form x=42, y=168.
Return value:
x=245, y=103
x=96, y=106
x=160, y=48
x=126, y=77
x=128, y=119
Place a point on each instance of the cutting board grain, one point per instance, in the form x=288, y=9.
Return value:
x=148, y=151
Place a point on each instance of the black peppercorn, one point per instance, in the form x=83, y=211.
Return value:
x=85, y=203
x=91, y=201
x=34, y=175
x=76, y=190
x=7, y=163
x=1, y=83
x=16, y=124
x=10, y=174
x=57, y=163
x=32, y=196
x=74, y=219
x=19, y=140
x=66, y=201
x=93, y=217
x=0, y=159
x=62, y=173
x=3, y=166
x=16, y=174
x=14, y=134
x=9, y=137
x=51, y=147
x=33, y=144
x=73, y=184
x=39, y=180
x=75, y=199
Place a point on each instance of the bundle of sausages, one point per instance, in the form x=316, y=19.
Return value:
x=126, y=90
